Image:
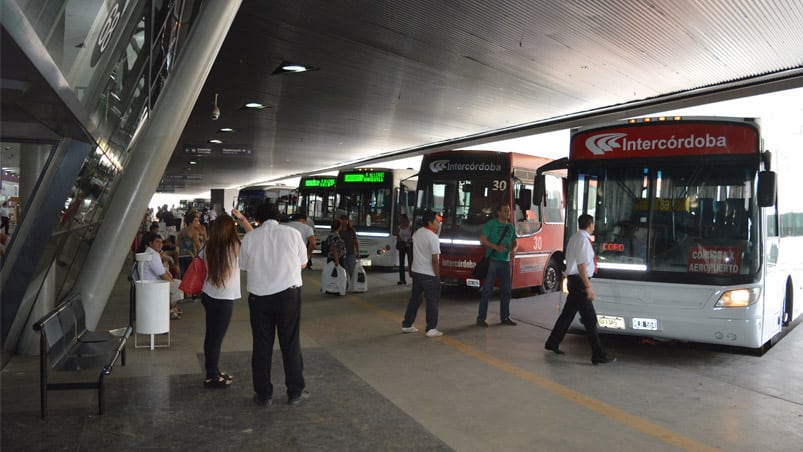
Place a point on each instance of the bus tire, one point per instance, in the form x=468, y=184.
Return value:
x=788, y=304
x=552, y=276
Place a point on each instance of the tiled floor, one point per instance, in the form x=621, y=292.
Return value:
x=375, y=388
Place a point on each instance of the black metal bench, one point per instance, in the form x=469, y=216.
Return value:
x=65, y=344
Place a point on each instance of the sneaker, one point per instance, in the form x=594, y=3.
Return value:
x=298, y=399
x=509, y=322
x=603, y=360
x=434, y=333
x=482, y=323
x=409, y=329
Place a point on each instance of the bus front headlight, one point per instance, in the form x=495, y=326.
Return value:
x=738, y=298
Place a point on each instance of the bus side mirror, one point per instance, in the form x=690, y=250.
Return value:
x=767, y=188
x=524, y=199
x=539, y=189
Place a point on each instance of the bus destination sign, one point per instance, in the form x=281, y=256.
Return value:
x=368, y=177
x=319, y=182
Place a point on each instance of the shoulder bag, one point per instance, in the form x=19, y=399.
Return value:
x=192, y=281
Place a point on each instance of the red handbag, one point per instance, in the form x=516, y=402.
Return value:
x=192, y=281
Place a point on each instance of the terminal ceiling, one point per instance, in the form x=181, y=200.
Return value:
x=399, y=78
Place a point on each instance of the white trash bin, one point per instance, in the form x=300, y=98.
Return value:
x=153, y=311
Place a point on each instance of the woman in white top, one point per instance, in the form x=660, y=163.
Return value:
x=221, y=288
x=403, y=234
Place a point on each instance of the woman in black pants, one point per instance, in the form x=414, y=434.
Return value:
x=221, y=288
x=403, y=234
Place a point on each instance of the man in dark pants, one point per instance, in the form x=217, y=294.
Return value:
x=580, y=268
x=273, y=255
x=425, y=271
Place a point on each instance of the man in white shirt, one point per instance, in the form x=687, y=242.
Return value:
x=299, y=223
x=580, y=268
x=425, y=271
x=273, y=254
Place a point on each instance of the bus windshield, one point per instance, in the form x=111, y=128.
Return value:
x=466, y=204
x=369, y=209
x=318, y=206
x=695, y=220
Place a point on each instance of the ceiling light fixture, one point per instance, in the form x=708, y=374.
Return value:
x=225, y=130
x=253, y=106
x=288, y=67
x=193, y=162
x=215, y=141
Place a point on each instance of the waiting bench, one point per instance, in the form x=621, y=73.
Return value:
x=66, y=344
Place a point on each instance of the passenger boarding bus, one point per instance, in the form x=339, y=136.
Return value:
x=690, y=237
x=373, y=198
x=317, y=198
x=466, y=187
x=282, y=196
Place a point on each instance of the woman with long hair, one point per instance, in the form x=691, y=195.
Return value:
x=221, y=288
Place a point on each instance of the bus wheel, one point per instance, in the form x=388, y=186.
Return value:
x=551, y=281
x=788, y=304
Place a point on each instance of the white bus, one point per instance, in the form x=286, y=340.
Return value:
x=692, y=242
x=373, y=199
x=317, y=198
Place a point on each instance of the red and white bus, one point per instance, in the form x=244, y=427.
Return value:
x=466, y=187
x=690, y=236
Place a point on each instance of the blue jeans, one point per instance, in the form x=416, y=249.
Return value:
x=350, y=263
x=501, y=270
x=423, y=286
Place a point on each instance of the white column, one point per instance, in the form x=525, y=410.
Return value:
x=150, y=154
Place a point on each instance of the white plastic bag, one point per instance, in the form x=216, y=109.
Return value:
x=333, y=279
x=359, y=280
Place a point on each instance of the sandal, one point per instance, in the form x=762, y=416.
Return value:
x=226, y=377
x=217, y=383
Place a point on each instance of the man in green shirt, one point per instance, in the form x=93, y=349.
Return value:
x=499, y=238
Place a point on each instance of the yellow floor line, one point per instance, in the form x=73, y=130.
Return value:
x=661, y=433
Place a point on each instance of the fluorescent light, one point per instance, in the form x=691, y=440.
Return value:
x=294, y=68
x=225, y=130
x=215, y=141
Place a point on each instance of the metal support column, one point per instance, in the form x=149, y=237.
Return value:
x=150, y=153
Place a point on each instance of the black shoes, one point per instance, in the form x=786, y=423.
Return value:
x=482, y=323
x=298, y=399
x=554, y=350
x=401, y=283
x=259, y=401
x=603, y=360
x=509, y=322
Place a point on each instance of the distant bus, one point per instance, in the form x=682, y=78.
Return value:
x=373, y=199
x=466, y=187
x=282, y=196
x=692, y=241
x=317, y=198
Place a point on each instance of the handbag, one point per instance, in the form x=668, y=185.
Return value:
x=481, y=269
x=192, y=281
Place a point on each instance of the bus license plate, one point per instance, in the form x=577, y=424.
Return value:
x=365, y=262
x=645, y=324
x=472, y=282
x=612, y=322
